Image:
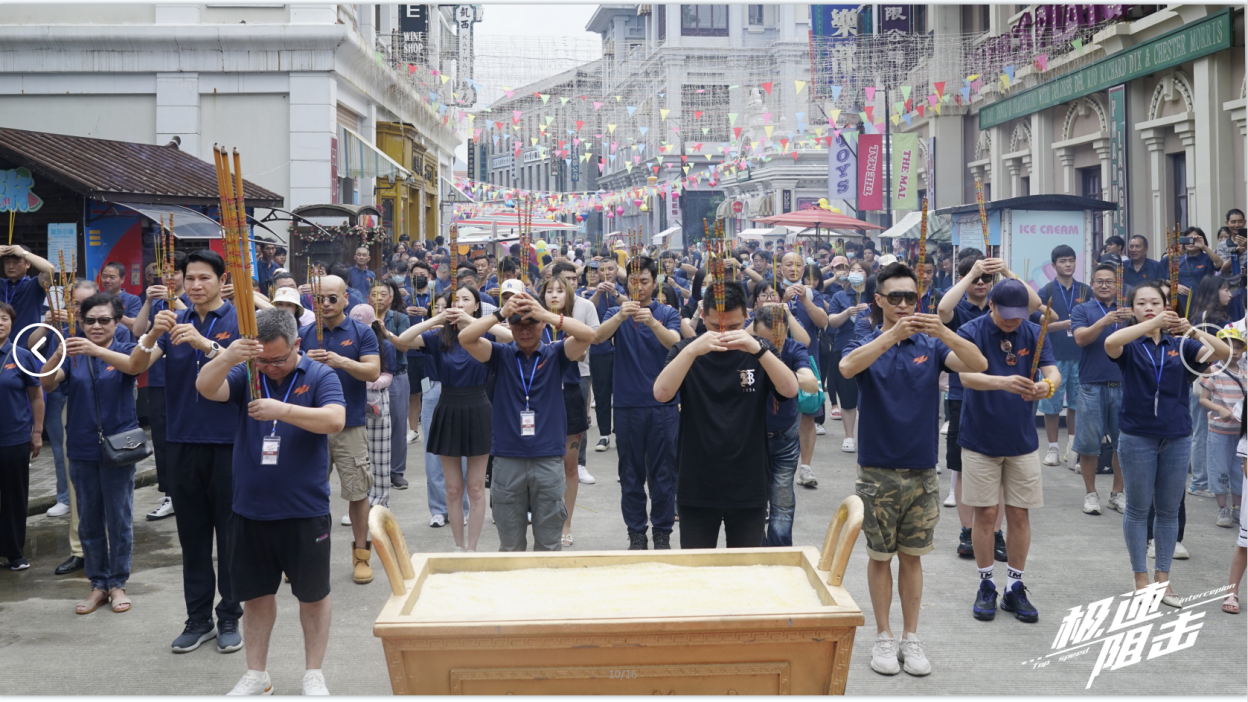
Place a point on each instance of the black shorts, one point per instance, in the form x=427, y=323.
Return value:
x=262, y=550
x=416, y=373
x=953, y=452
x=846, y=388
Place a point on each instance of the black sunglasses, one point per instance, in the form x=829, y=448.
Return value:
x=985, y=278
x=896, y=298
x=102, y=321
x=331, y=299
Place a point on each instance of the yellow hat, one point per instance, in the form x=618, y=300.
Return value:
x=1229, y=333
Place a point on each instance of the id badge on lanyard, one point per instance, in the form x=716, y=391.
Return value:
x=528, y=418
x=528, y=423
x=269, y=450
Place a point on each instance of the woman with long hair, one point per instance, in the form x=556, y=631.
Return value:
x=1157, y=354
x=387, y=296
x=461, y=423
x=1209, y=304
x=1208, y=312
x=847, y=306
x=377, y=408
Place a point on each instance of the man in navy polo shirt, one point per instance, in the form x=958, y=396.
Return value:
x=111, y=277
x=281, y=520
x=998, y=440
x=898, y=367
x=1197, y=262
x=19, y=289
x=199, y=434
x=351, y=349
x=643, y=330
x=362, y=278
x=605, y=295
x=529, y=419
x=1061, y=296
x=1139, y=268
x=1100, y=385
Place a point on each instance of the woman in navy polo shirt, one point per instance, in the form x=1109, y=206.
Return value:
x=1157, y=355
x=461, y=424
x=98, y=372
x=21, y=425
x=557, y=296
x=847, y=306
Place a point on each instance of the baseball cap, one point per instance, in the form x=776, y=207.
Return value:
x=289, y=295
x=592, y=264
x=1010, y=299
x=887, y=259
x=510, y=287
x=840, y=261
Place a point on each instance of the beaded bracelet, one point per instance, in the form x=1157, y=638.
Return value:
x=1052, y=388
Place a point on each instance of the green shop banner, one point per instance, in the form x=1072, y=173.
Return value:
x=905, y=171
x=1201, y=38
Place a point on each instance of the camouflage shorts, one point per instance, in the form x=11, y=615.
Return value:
x=900, y=510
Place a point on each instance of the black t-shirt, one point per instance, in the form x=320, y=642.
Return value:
x=721, y=449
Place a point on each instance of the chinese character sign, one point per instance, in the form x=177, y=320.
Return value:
x=842, y=172
x=870, y=172
x=15, y=191
x=1118, y=173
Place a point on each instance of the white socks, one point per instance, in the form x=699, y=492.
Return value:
x=1012, y=576
x=986, y=574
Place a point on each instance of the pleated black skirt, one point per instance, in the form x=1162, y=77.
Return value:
x=574, y=407
x=462, y=424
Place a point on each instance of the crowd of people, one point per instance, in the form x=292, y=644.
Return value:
x=501, y=367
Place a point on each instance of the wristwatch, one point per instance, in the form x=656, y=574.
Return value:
x=498, y=314
x=212, y=352
x=764, y=345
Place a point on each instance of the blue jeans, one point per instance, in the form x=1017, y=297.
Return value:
x=1096, y=417
x=399, y=391
x=1154, y=472
x=435, y=482
x=1200, y=432
x=105, y=521
x=1224, y=475
x=54, y=422
x=785, y=450
x=647, y=452
x=1067, y=393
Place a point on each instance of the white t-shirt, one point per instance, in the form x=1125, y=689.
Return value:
x=586, y=313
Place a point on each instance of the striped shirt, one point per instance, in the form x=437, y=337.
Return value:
x=1227, y=390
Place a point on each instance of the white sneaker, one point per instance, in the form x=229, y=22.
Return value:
x=253, y=682
x=582, y=474
x=819, y=430
x=164, y=509
x=412, y=436
x=602, y=444
x=884, y=656
x=60, y=509
x=944, y=429
x=848, y=446
x=910, y=652
x=465, y=519
x=1118, y=502
x=1151, y=552
x=1091, y=503
x=1050, y=457
x=1070, y=450
x=314, y=683
x=1180, y=553
x=346, y=520
x=437, y=520
x=806, y=477
x=937, y=469
x=951, y=500
x=593, y=404
x=459, y=549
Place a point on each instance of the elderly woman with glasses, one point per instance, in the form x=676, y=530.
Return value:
x=101, y=403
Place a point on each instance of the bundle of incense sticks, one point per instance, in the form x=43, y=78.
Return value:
x=1044, y=330
x=454, y=250
x=918, y=265
x=1119, y=285
x=164, y=249
x=1176, y=250
x=237, y=247
x=314, y=282
x=983, y=219
x=67, y=276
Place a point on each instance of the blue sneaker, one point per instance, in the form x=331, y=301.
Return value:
x=229, y=639
x=1015, y=600
x=985, y=608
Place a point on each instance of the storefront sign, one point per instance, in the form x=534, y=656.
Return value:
x=673, y=205
x=500, y=162
x=472, y=158
x=1118, y=174
x=532, y=156
x=333, y=170
x=413, y=18
x=894, y=19
x=968, y=232
x=842, y=172
x=931, y=173
x=1033, y=236
x=1187, y=43
x=16, y=194
x=905, y=154
x=786, y=201
x=870, y=168
x=62, y=240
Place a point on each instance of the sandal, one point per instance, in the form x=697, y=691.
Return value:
x=120, y=604
x=91, y=604
x=1230, y=604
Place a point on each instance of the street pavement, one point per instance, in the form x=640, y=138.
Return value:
x=1075, y=560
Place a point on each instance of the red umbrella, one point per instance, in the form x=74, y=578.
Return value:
x=819, y=218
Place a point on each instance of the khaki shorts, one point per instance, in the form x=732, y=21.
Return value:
x=901, y=508
x=983, y=477
x=348, y=451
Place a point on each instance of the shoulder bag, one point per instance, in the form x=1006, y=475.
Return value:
x=121, y=449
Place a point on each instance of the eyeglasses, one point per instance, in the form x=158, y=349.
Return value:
x=102, y=321
x=331, y=299
x=896, y=298
x=1008, y=348
x=275, y=364
x=1103, y=283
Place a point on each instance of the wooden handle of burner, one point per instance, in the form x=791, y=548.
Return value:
x=387, y=540
x=838, y=543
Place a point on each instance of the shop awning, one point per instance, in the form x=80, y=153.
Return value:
x=938, y=228
x=189, y=224
x=671, y=236
x=359, y=159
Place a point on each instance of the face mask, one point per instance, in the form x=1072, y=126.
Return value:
x=421, y=281
x=856, y=278
x=850, y=255
x=841, y=277
x=397, y=278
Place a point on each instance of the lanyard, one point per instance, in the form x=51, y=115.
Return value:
x=10, y=290
x=294, y=379
x=207, y=335
x=529, y=385
x=1070, y=301
x=1105, y=313
x=1158, y=365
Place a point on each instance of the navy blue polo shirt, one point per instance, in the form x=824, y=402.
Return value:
x=193, y=419
x=900, y=389
x=351, y=340
x=440, y=286
x=1192, y=269
x=116, y=396
x=572, y=376
x=387, y=357
x=1141, y=360
x=1095, y=365
x=997, y=422
x=1149, y=271
x=604, y=303
x=16, y=418
x=361, y=279
x=298, y=486
x=803, y=317
x=863, y=325
x=418, y=299
x=782, y=415
x=640, y=357
x=132, y=303
x=397, y=323
x=264, y=273
x=942, y=281
x=156, y=374
x=455, y=368
x=1063, y=301
x=841, y=301
x=546, y=367
x=963, y=313
x=26, y=298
